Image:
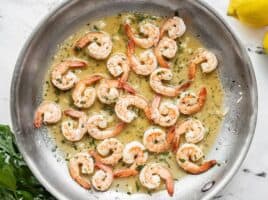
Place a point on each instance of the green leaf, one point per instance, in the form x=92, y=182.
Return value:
x=6, y=140
x=7, y=177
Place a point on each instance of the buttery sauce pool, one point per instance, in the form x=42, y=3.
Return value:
x=210, y=115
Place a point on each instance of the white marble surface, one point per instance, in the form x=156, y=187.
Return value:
x=18, y=18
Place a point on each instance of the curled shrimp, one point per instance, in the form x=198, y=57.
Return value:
x=47, y=113
x=166, y=48
x=165, y=114
x=151, y=174
x=61, y=76
x=67, y=127
x=97, y=127
x=118, y=64
x=189, y=153
x=174, y=26
x=192, y=128
x=163, y=74
x=134, y=153
x=156, y=140
x=103, y=178
x=81, y=163
x=112, y=148
x=99, y=44
x=147, y=29
x=190, y=103
x=145, y=64
x=207, y=60
x=83, y=95
x=108, y=90
x=126, y=101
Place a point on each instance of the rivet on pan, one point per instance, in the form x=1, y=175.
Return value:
x=208, y=186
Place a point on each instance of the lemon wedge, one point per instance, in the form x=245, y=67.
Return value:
x=252, y=12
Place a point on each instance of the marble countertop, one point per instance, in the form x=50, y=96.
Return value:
x=18, y=18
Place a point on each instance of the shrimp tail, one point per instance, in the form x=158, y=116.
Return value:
x=129, y=32
x=93, y=79
x=82, y=42
x=95, y=156
x=123, y=173
x=81, y=181
x=192, y=71
x=183, y=86
x=76, y=63
x=170, y=186
x=124, y=85
x=72, y=113
x=119, y=127
x=170, y=135
x=37, y=121
x=202, y=96
x=161, y=60
x=204, y=167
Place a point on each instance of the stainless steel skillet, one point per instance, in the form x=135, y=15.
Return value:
x=235, y=71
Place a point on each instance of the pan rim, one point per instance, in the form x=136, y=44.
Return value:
x=16, y=125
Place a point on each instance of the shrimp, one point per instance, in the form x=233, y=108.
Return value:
x=99, y=44
x=192, y=128
x=174, y=26
x=103, y=178
x=84, y=162
x=83, y=95
x=150, y=177
x=108, y=90
x=208, y=62
x=67, y=127
x=96, y=127
x=166, y=48
x=156, y=140
x=163, y=74
x=189, y=103
x=134, y=153
x=118, y=64
x=145, y=64
x=124, y=173
x=47, y=113
x=125, y=101
x=189, y=153
x=164, y=115
x=61, y=76
x=112, y=148
x=147, y=29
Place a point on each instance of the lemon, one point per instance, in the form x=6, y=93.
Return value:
x=252, y=12
x=265, y=43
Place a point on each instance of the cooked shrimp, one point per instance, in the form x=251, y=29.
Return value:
x=67, y=127
x=124, y=173
x=108, y=90
x=147, y=29
x=97, y=127
x=47, y=113
x=208, y=62
x=145, y=64
x=103, y=178
x=156, y=140
x=174, y=26
x=112, y=148
x=189, y=153
x=192, y=128
x=61, y=76
x=134, y=153
x=166, y=48
x=189, y=103
x=165, y=114
x=163, y=74
x=118, y=64
x=150, y=177
x=81, y=162
x=99, y=44
x=126, y=101
x=83, y=95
